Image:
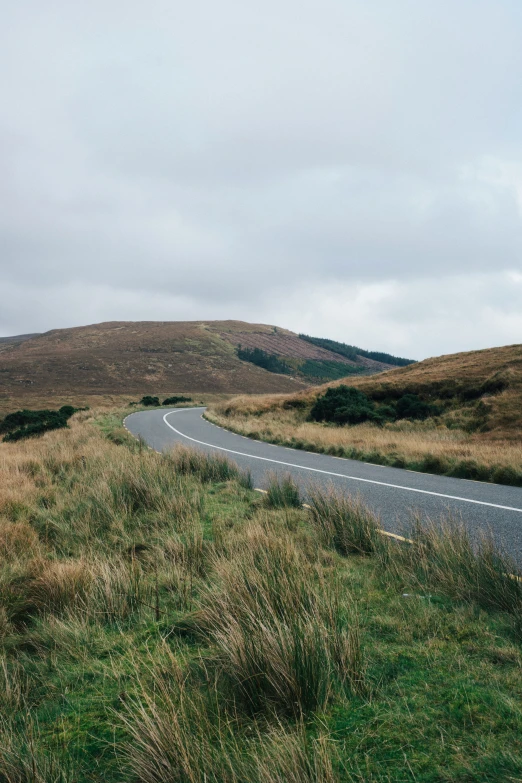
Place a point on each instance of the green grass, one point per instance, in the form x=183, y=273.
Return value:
x=282, y=492
x=161, y=622
x=342, y=522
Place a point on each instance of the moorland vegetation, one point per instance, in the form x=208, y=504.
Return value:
x=162, y=622
x=150, y=401
x=32, y=423
x=111, y=363
x=458, y=415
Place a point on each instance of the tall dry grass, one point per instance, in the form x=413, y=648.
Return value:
x=94, y=535
x=343, y=522
x=179, y=734
x=219, y=642
x=285, y=637
x=418, y=445
x=445, y=558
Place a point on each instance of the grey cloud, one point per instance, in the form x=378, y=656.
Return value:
x=207, y=158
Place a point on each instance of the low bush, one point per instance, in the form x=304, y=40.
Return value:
x=29, y=423
x=348, y=405
x=506, y=475
x=410, y=406
x=343, y=405
x=149, y=401
x=175, y=400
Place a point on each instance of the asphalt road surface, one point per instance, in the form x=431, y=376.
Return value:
x=393, y=493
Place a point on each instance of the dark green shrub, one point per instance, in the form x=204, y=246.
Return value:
x=32, y=430
x=295, y=403
x=67, y=410
x=148, y=400
x=433, y=464
x=28, y=423
x=24, y=418
x=347, y=405
x=268, y=361
x=497, y=383
x=387, y=412
x=469, y=469
x=506, y=475
x=175, y=400
x=343, y=405
x=410, y=406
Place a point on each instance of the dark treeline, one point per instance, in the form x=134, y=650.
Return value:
x=352, y=352
x=268, y=361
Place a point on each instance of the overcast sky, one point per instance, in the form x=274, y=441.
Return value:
x=347, y=168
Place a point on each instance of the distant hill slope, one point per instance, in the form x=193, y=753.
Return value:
x=478, y=390
x=136, y=358
x=15, y=340
x=165, y=357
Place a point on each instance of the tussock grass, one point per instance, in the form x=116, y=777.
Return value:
x=24, y=760
x=179, y=735
x=284, y=638
x=343, y=522
x=282, y=492
x=165, y=624
x=444, y=557
x=208, y=467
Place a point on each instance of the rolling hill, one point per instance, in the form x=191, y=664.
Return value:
x=489, y=380
x=457, y=382
x=471, y=426
x=162, y=357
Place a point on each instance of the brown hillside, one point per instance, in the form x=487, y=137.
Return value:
x=5, y=342
x=135, y=358
x=498, y=371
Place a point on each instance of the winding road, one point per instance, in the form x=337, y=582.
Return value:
x=393, y=493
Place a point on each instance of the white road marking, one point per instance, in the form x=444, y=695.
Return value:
x=337, y=475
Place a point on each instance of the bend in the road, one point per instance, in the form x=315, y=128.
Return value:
x=393, y=493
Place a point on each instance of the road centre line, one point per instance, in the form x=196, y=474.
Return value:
x=337, y=475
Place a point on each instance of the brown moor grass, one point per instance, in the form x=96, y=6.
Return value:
x=161, y=622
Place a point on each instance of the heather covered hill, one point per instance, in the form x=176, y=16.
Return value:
x=127, y=357
x=5, y=342
x=166, y=357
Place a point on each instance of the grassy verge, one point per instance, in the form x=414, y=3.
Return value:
x=420, y=446
x=162, y=622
